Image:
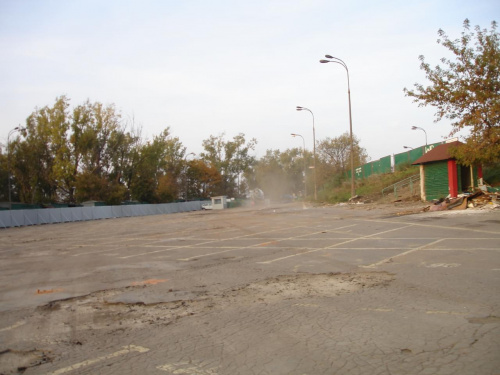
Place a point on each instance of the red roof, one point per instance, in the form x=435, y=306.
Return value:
x=438, y=153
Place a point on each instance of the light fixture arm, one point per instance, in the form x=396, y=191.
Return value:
x=299, y=108
x=17, y=128
x=336, y=60
x=418, y=127
x=305, y=165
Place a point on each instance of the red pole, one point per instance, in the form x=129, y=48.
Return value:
x=452, y=178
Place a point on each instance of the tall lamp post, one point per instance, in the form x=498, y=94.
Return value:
x=185, y=163
x=336, y=60
x=314, y=150
x=17, y=128
x=304, y=156
x=416, y=127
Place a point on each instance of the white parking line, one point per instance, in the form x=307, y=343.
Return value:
x=333, y=246
x=13, y=326
x=402, y=254
x=208, y=242
x=125, y=350
x=187, y=368
x=461, y=229
x=260, y=244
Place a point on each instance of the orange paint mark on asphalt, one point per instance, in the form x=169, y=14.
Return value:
x=48, y=291
x=149, y=282
x=268, y=243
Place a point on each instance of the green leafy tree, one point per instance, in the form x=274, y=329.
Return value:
x=334, y=155
x=231, y=158
x=202, y=179
x=41, y=160
x=4, y=176
x=161, y=157
x=467, y=91
x=86, y=150
x=278, y=173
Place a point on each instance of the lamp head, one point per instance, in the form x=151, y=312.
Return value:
x=414, y=128
x=329, y=57
x=299, y=108
x=324, y=61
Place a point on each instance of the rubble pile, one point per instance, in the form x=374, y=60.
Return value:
x=479, y=199
x=358, y=199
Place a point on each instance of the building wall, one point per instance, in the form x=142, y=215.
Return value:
x=436, y=180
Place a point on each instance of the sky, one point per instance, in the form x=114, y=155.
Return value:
x=212, y=67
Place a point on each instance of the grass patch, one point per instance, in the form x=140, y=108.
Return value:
x=370, y=187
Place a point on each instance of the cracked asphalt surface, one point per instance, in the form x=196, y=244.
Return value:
x=278, y=290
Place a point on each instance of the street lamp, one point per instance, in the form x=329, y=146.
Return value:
x=336, y=60
x=17, y=128
x=416, y=127
x=314, y=150
x=185, y=173
x=304, y=156
x=408, y=147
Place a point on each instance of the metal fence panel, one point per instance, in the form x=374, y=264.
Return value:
x=102, y=212
x=408, y=157
x=5, y=219
x=128, y=211
x=76, y=212
x=116, y=211
x=44, y=217
x=88, y=213
x=367, y=170
x=66, y=215
x=17, y=218
x=383, y=165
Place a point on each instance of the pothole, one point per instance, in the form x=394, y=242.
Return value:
x=310, y=285
x=17, y=362
x=72, y=320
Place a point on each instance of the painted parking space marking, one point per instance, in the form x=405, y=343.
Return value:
x=460, y=229
x=403, y=254
x=187, y=368
x=13, y=326
x=208, y=242
x=333, y=246
x=443, y=265
x=261, y=245
x=125, y=350
x=445, y=312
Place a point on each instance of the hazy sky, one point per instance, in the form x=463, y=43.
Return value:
x=207, y=67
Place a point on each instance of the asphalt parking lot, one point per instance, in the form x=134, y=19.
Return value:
x=276, y=290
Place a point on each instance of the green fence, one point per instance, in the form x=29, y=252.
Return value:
x=385, y=164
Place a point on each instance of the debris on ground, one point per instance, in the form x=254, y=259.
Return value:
x=478, y=199
x=358, y=199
